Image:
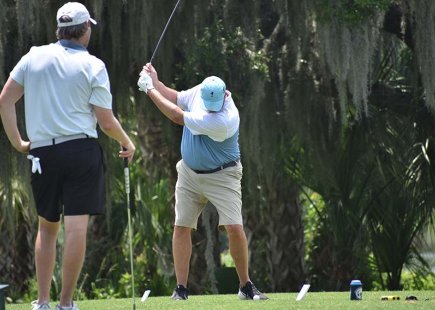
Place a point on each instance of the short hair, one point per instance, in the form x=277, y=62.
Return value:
x=70, y=32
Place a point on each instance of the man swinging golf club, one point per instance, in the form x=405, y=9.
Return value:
x=210, y=170
x=66, y=92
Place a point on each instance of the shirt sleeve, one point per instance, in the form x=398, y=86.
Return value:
x=185, y=97
x=209, y=124
x=19, y=71
x=101, y=95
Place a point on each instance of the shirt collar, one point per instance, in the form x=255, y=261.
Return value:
x=71, y=44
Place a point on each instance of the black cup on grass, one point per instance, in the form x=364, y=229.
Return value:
x=355, y=290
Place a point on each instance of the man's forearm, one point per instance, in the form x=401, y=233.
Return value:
x=9, y=120
x=168, y=108
x=167, y=92
x=117, y=133
x=110, y=125
x=11, y=93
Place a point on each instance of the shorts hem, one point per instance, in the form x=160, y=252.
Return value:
x=186, y=225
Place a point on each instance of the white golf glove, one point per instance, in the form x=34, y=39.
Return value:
x=145, y=82
x=36, y=165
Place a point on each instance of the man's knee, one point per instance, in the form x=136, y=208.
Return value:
x=180, y=231
x=48, y=228
x=76, y=225
x=234, y=230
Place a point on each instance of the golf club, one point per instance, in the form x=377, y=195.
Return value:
x=163, y=32
x=127, y=191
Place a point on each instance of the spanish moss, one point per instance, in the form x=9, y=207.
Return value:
x=424, y=11
x=348, y=51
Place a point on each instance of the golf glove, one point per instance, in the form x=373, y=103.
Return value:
x=145, y=82
x=36, y=165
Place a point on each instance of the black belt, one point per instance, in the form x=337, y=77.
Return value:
x=227, y=165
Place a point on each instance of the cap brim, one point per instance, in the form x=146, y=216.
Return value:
x=213, y=106
x=93, y=21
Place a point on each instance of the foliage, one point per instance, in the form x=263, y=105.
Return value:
x=152, y=230
x=226, y=259
x=339, y=173
x=314, y=206
x=379, y=170
x=17, y=231
x=402, y=196
x=154, y=233
x=349, y=12
x=399, y=211
x=395, y=67
x=225, y=53
x=424, y=282
x=423, y=12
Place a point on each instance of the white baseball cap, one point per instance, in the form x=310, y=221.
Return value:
x=76, y=11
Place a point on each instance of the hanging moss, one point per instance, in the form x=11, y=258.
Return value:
x=348, y=51
x=349, y=12
x=2, y=64
x=424, y=12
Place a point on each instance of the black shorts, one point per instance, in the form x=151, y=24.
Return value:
x=72, y=179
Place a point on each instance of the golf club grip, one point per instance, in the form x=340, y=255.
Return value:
x=126, y=176
x=125, y=158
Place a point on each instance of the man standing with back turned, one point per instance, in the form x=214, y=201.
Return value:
x=210, y=170
x=66, y=92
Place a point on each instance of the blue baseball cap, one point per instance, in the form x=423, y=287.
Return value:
x=212, y=93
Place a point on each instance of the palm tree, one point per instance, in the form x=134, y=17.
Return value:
x=17, y=218
x=374, y=174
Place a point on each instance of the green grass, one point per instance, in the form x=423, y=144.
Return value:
x=340, y=300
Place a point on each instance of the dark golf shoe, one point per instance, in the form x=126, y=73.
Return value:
x=180, y=293
x=249, y=291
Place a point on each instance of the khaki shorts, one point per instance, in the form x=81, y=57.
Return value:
x=222, y=188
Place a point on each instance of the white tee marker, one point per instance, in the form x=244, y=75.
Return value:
x=145, y=295
x=303, y=291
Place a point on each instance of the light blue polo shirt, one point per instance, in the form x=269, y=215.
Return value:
x=210, y=139
x=62, y=82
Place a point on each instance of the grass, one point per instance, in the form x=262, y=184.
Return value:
x=335, y=300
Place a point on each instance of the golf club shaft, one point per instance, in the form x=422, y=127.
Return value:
x=131, y=256
x=163, y=32
x=127, y=190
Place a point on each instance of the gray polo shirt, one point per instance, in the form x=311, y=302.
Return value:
x=62, y=82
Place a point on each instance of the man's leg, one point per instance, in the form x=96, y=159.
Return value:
x=239, y=251
x=182, y=250
x=45, y=257
x=73, y=255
